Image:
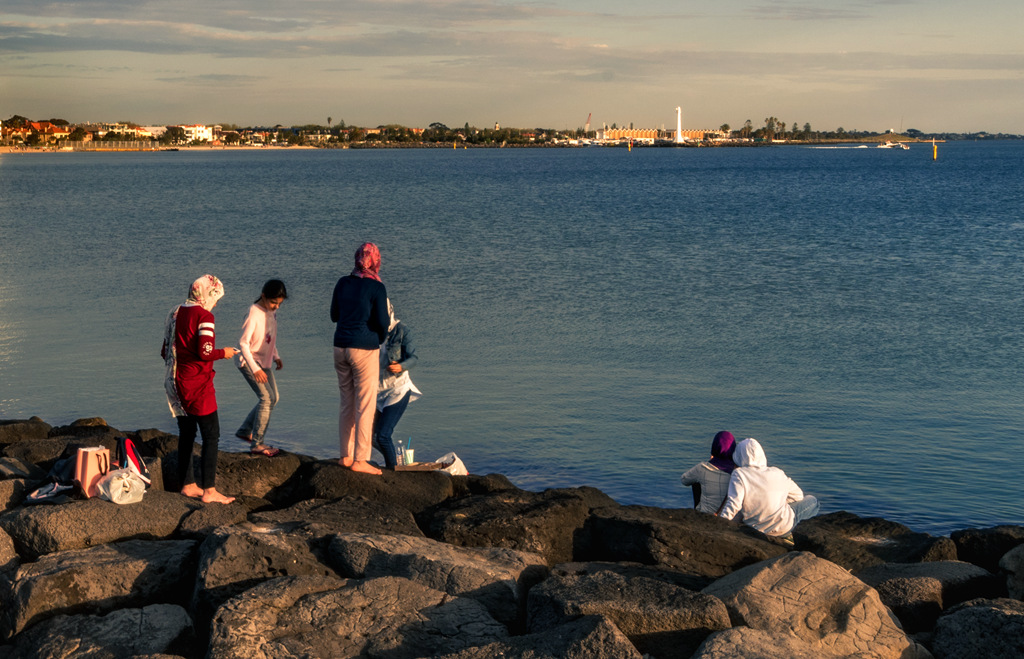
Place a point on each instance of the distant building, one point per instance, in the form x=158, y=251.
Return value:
x=197, y=133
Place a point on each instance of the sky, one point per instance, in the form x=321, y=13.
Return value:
x=872, y=65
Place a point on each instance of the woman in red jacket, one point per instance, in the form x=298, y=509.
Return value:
x=189, y=353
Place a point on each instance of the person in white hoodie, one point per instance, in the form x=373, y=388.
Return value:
x=764, y=497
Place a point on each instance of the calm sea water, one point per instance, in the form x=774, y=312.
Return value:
x=583, y=317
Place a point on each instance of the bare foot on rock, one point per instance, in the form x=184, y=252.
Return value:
x=346, y=462
x=213, y=496
x=192, y=490
x=364, y=467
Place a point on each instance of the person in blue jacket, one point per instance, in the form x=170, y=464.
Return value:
x=360, y=313
x=396, y=390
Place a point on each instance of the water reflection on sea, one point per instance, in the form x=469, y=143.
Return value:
x=583, y=317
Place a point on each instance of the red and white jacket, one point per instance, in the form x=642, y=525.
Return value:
x=194, y=343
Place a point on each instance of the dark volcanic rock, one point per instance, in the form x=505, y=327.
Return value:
x=497, y=578
x=131, y=573
x=544, y=523
x=414, y=491
x=257, y=476
x=982, y=628
x=700, y=545
x=984, y=547
x=44, y=452
x=660, y=619
x=859, y=542
x=465, y=486
x=592, y=637
x=13, y=492
x=800, y=595
x=155, y=630
x=318, y=518
x=90, y=428
x=204, y=521
x=234, y=559
x=20, y=469
x=39, y=530
x=155, y=443
x=630, y=570
x=918, y=592
x=8, y=556
x=916, y=602
x=15, y=430
x=323, y=617
x=1012, y=563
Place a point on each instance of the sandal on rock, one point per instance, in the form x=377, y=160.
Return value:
x=266, y=451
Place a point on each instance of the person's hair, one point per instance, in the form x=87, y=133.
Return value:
x=274, y=289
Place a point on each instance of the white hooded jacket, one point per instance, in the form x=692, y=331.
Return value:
x=760, y=494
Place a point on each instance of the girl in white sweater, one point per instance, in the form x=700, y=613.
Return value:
x=258, y=361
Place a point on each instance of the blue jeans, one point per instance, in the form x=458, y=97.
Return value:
x=805, y=509
x=255, y=425
x=384, y=424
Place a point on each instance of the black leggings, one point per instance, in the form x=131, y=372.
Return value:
x=209, y=427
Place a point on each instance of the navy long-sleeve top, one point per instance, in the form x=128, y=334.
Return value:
x=360, y=310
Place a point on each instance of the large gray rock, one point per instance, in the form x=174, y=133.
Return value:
x=15, y=430
x=13, y=492
x=545, y=523
x=414, y=491
x=1012, y=563
x=99, y=579
x=8, y=555
x=592, y=637
x=818, y=602
x=323, y=617
x=984, y=547
x=918, y=592
x=749, y=643
x=40, y=530
x=234, y=559
x=992, y=629
x=702, y=546
x=497, y=578
x=20, y=469
x=318, y=518
x=660, y=619
x=859, y=542
x=157, y=629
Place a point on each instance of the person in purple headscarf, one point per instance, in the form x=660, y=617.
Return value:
x=710, y=479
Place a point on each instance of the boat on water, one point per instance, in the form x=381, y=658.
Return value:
x=893, y=145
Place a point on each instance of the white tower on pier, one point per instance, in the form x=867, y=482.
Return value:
x=679, y=125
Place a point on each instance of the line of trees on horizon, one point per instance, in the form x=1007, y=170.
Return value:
x=340, y=134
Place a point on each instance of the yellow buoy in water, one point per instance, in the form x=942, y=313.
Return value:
x=935, y=150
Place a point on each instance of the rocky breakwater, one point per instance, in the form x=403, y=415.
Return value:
x=316, y=561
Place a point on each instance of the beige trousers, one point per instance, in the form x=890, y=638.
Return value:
x=358, y=372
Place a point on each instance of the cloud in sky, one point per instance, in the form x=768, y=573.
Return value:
x=870, y=64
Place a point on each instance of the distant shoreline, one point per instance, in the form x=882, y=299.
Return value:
x=448, y=145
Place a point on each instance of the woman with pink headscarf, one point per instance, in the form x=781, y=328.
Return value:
x=189, y=352
x=359, y=308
